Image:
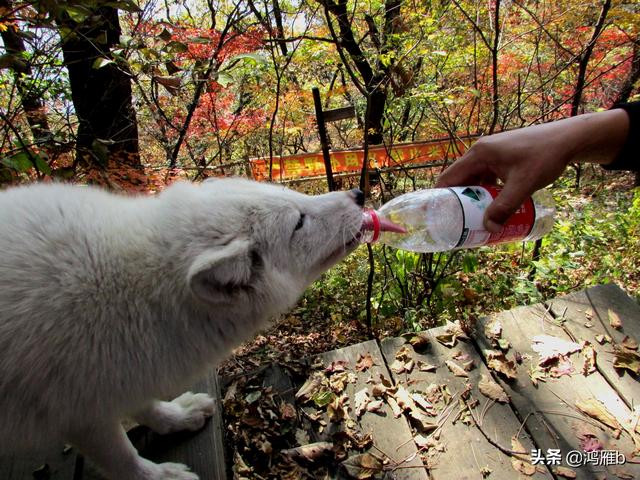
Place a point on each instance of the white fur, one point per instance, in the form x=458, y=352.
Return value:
x=109, y=303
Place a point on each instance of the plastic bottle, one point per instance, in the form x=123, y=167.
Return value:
x=442, y=219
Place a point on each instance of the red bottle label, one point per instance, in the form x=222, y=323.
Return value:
x=474, y=202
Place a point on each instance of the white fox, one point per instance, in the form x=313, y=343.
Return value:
x=109, y=303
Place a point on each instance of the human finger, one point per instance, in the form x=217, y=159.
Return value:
x=505, y=204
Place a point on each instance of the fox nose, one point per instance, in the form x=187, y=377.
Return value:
x=358, y=196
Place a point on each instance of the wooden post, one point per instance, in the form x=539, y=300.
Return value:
x=324, y=141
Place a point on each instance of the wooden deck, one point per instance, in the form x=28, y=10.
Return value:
x=426, y=412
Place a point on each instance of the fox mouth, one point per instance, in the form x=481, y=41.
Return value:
x=339, y=253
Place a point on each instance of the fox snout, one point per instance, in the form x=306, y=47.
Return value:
x=358, y=196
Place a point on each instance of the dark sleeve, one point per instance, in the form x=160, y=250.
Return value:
x=629, y=156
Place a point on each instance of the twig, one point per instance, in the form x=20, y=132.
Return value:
x=506, y=451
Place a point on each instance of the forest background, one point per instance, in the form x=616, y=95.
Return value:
x=133, y=95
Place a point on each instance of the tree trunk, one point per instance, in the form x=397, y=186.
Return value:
x=583, y=63
x=31, y=98
x=107, y=130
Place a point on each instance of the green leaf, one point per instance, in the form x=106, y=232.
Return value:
x=101, y=62
x=126, y=5
x=176, y=47
x=19, y=162
x=253, y=58
x=323, y=398
x=78, y=13
x=224, y=79
x=42, y=165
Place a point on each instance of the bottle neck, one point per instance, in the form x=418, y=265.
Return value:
x=370, y=230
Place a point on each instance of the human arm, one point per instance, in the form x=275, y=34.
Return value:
x=531, y=158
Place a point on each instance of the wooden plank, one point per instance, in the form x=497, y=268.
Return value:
x=499, y=422
x=58, y=465
x=339, y=114
x=597, y=301
x=202, y=451
x=549, y=409
x=390, y=435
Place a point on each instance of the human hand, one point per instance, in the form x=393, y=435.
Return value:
x=531, y=158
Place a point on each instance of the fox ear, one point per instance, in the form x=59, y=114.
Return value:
x=218, y=273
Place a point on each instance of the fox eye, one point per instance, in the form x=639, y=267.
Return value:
x=300, y=222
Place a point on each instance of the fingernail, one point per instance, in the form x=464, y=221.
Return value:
x=492, y=226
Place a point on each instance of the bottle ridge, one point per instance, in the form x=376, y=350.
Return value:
x=443, y=219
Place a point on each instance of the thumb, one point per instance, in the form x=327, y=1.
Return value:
x=505, y=204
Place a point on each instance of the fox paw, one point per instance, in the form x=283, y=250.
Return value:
x=172, y=471
x=196, y=408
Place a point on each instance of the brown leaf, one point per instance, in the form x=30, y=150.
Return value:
x=362, y=466
x=403, y=397
x=364, y=362
x=311, y=387
x=419, y=341
x=627, y=360
x=447, y=339
x=562, y=367
x=398, y=366
x=564, y=472
x=492, y=390
x=426, y=367
x=375, y=406
x=395, y=408
x=456, y=369
x=596, y=409
x=589, y=354
x=311, y=452
x=493, y=329
x=362, y=399
x=336, y=409
x=614, y=319
x=172, y=84
x=521, y=462
x=629, y=343
x=498, y=361
x=423, y=403
x=537, y=375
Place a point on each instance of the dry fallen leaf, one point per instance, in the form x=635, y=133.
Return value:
x=498, y=361
x=395, y=408
x=602, y=339
x=426, y=367
x=614, y=319
x=456, y=369
x=537, y=375
x=311, y=452
x=423, y=403
x=629, y=343
x=550, y=348
x=364, y=362
x=375, y=406
x=362, y=399
x=589, y=354
x=596, y=409
x=311, y=387
x=564, y=472
x=419, y=341
x=590, y=442
x=521, y=462
x=447, y=339
x=627, y=360
x=362, y=466
x=492, y=390
x=562, y=367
